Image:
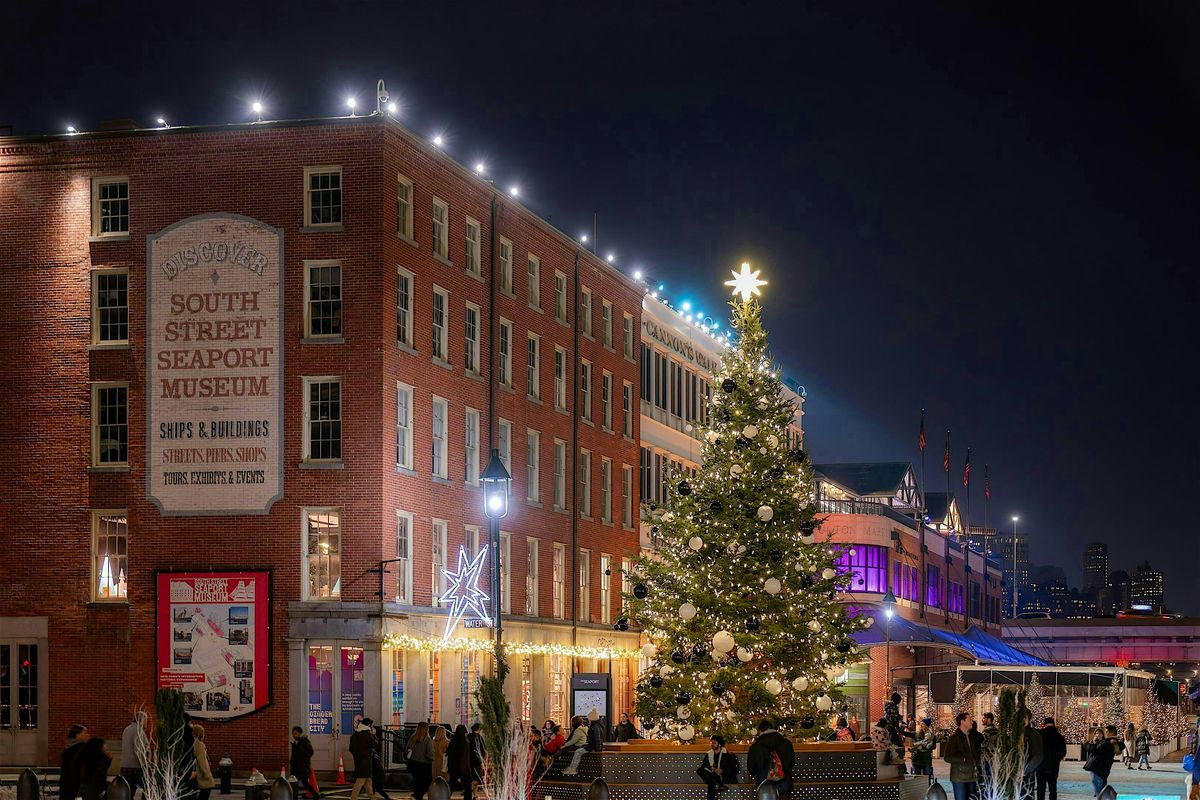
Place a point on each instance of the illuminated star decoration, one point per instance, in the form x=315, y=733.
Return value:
x=462, y=592
x=746, y=283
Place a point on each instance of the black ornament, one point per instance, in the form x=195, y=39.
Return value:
x=683, y=698
x=700, y=649
x=656, y=681
x=718, y=689
x=844, y=708
x=861, y=581
x=608, y=572
x=752, y=624
x=832, y=595
x=653, y=507
x=678, y=657
x=821, y=693
x=807, y=527
x=640, y=591
x=622, y=624
x=741, y=442
x=728, y=386
x=724, y=415
x=715, y=506
x=808, y=722
x=750, y=381
x=654, y=530
x=806, y=580
x=796, y=456
x=777, y=472
x=685, y=488
x=844, y=647
x=776, y=554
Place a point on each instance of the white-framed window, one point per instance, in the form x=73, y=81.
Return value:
x=110, y=555
x=404, y=207
x=585, y=483
x=441, y=228
x=471, y=349
x=560, y=378
x=474, y=240
x=606, y=323
x=533, y=375
x=471, y=540
x=505, y=572
x=627, y=408
x=441, y=413
x=404, y=308
x=627, y=495
x=404, y=426
x=606, y=381
x=504, y=443
x=404, y=552
x=627, y=335
x=322, y=532
x=506, y=335
x=531, y=576
x=323, y=299
x=471, y=447
x=110, y=306
x=605, y=588
x=585, y=586
x=438, y=554
x=110, y=207
x=110, y=424
x=560, y=474
x=585, y=311
x=560, y=296
x=626, y=582
x=585, y=389
x=506, y=261
x=323, y=419
x=533, y=465
x=441, y=317
x=559, y=580
x=533, y=288
x=322, y=196
x=606, y=490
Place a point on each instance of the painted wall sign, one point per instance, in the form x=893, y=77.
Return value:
x=664, y=335
x=214, y=318
x=214, y=640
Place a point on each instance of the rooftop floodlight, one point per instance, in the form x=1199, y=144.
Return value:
x=351, y=103
x=609, y=258
x=437, y=140
x=162, y=122
x=257, y=108
x=71, y=129
x=637, y=274
x=514, y=190
x=480, y=168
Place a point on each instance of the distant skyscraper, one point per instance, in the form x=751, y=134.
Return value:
x=1001, y=545
x=1119, y=586
x=1146, y=588
x=1095, y=576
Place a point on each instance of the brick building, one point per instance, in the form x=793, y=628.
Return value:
x=263, y=366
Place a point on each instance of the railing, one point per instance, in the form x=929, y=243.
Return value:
x=827, y=506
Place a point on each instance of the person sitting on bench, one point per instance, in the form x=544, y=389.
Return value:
x=718, y=768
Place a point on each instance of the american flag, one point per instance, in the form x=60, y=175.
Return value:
x=921, y=435
x=946, y=455
x=987, y=491
x=967, y=469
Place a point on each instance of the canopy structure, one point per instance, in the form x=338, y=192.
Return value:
x=976, y=644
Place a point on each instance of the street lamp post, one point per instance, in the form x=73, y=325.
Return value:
x=1014, y=560
x=496, y=481
x=889, y=609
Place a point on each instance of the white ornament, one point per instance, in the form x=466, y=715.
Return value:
x=687, y=611
x=711, y=437
x=686, y=732
x=809, y=539
x=688, y=427
x=824, y=702
x=723, y=641
x=714, y=655
x=733, y=546
x=870, y=621
x=762, y=450
x=736, y=469
x=669, y=516
x=774, y=686
x=744, y=655
x=750, y=431
x=772, y=440
x=766, y=513
x=696, y=543
x=814, y=625
x=829, y=573
x=649, y=651
x=665, y=670
x=772, y=586
x=741, y=549
x=833, y=673
x=762, y=403
x=683, y=712
x=800, y=684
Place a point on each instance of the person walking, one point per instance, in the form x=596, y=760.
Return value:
x=478, y=753
x=922, y=750
x=626, y=730
x=378, y=774
x=420, y=760
x=1054, y=750
x=963, y=759
x=1130, y=739
x=203, y=773
x=718, y=767
x=771, y=758
x=1142, y=745
x=458, y=762
x=362, y=750
x=300, y=764
x=91, y=765
x=68, y=782
x=131, y=763
x=1100, y=762
x=440, y=742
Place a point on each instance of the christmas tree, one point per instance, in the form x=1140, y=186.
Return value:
x=1114, y=704
x=1074, y=724
x=964, y=698
x=1158, y=718
x=739, y=595
x=1036, y=701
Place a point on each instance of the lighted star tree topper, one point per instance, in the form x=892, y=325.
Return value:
x=462, y=590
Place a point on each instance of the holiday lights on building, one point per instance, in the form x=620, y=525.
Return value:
x=401, y=641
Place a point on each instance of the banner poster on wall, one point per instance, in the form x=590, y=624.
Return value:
x=214, y=641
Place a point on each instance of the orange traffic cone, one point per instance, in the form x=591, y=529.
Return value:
x=312, y=781
x=283, y=772
x=341, y=778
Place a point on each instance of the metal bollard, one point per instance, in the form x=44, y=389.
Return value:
x=119, y=789
x=439, y=789
x=598, y=790
x=280, y=790
x=1108, y=793
x=936, y=792
x=28, y=787
x=767, y=790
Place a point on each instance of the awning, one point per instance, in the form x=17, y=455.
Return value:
x=975, y=643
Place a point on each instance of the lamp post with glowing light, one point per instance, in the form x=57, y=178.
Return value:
x=496, y=481
x=889, y=610
x=1014, y=560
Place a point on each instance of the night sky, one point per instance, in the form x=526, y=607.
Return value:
x=988, y=212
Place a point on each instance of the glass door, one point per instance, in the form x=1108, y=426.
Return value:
x=335, y=701
x=21, y=700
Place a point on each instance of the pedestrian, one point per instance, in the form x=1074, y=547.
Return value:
x=718, y=767
x=842, y=732
x=300, y=764
x=922, y=750
x=577, y=743
x=1130, y=745
x=202, y=774
x=855, y=727
x=440, y=742
x=1032, y=744
x=478, y=752
x=985, y=745
x=593, y=741
x=420, y=760
x=131, y=763
x=362, y=750
x=548, y=729
x=626, y=730
x=458, y=762
x=771, y=758
x=378, y=774
x=1054, y=750
x=91, y=766
x=1142, y=743
x=68, y=782
x=963, y=759
x=1100, y=762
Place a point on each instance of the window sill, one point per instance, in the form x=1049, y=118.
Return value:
x=108, y=346
x=443, y=259
x=609, y=348
x=627, y=528
x=331, y=228
x=533, y=503
x=473, y=275
x=589, y=337
x=439, y=480
x=604, y=521
x=587, y=422
x=627, y=438
x=606, y=429
x=410, y=242
x=508, y=293
x=412, y=351
x=532, y=399
x=562, y=322
x=123, y=603
x=631, y=360
x=112, y=237
x=562, y=411
x=102, y=468
x=506, y=389
x=437, y=362
x=322, y=340
x=474, y=487
x=322, y=465
x=412, y=473
x=475, y=376
x=586, y=518
x=535, y=307
x=558, y=510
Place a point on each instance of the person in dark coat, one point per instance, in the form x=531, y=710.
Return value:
x=93, y=762
x=1100, y=762
x=378, y=776
x=420, y=760
x=362, y=749
x=771, y=757
x=1054, y=750
x=963, y=758
x=1142, y=748
x=626, y=730
x=478, y=754
x=1032, y=742
x=68, y=783
x=718, y=768
x=458, y=762
x=300, y=764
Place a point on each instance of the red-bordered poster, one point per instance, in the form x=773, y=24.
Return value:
x=214, y=640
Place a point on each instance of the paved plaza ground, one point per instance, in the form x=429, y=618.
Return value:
x=1163, y=782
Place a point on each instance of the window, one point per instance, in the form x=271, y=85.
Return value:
x=110, y=545
x=471, y=339
x=627, y=335
x=605, y=588
x=645, y=476
x=560, y=296
x=441, y=229
x=956, y=602
x=323, y=311
x=585, y=311
x=606, y=323
x=585, y=390
x=867, y=566
x=627, y=495
x=505, y=572
x=504, y=444
x=676, y=388
x=404, y=310
x=506, y=258
x=560, y=475
x=974, y=600
x=660, y=380
x=471, y=447
x=533, y=466
x=506, y=334
x=435, y=685
x=323, y=419
x=647, y=374
x=110, y=306
x=398, y=657
x=533, y=375
x=560, y=378
x=323, y=544
x=110, y=424
x=558, y=708
x=933, y=586
x=605, y=490
x=323, y=195
x=606, y=401
x=441, y=410
x=441, y=347
x=531, y=577
x=584, y=612
x=585, y=483
x=438, y=560
x=404, y=207
x=110, y=207
x=559, y=580
x=474, y=260
x=533, y=290
x=627, y=409
x=471, y=540
x=404, y=427
x=404, y=524
x=626, y=582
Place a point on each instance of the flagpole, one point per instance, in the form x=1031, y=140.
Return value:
x=967, y=529
x=921, y=520
x=946, y=464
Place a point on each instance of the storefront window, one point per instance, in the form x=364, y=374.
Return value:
x=933, y=586
x=5, y=687
x=320, y=690
x=27, y=686
x=526, y=688
x=435, y=687
x=867, y=565
x=398, y=687
x=558, y=690
x=467, y=710
x=352, y=686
